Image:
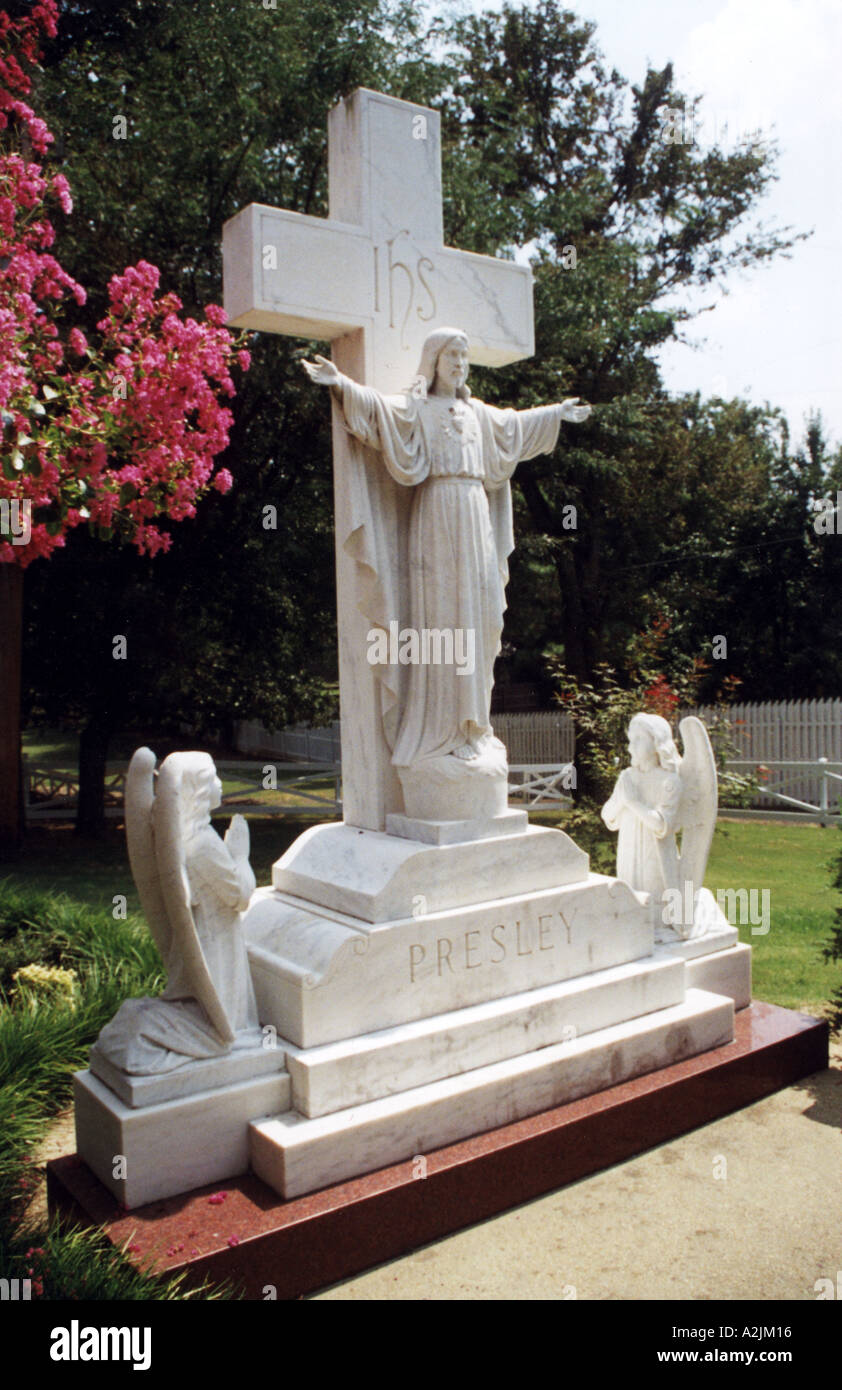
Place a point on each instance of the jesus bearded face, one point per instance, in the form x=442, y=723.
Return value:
x=451, y=367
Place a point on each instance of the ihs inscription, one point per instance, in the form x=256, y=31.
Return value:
x=408, y=284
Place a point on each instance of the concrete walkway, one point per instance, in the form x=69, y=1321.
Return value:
x=746, y=1208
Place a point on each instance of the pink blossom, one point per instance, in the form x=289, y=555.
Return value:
x=139, y=421
x=61, y=188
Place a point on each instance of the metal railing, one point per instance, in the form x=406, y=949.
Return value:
x=539, y=784
x=289, y=789
x=304, y=786
x=257, y=787
x=788, y=771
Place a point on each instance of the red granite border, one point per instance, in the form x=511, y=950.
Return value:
x=244, y=1232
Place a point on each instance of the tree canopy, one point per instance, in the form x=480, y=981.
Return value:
x=171, y=118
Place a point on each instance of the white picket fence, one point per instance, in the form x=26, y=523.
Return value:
x=299, y=744
x=542, y=737
x=781, y=732
x=804, y=732
x=530, y=738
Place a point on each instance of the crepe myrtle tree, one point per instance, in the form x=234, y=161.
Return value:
x=119, y=434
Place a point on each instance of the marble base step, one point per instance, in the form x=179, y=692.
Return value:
x=393, y=1060
x=144, y=1155
x=722, y=972
x=309, y=1242
x=714, y=959
x=200, y=1074
x=295, y=1155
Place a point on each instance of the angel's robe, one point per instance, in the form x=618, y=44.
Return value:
x=458, y=454
x=647, y=857
x=220, y=889
x=151, y=1036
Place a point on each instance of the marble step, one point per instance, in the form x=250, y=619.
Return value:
x=357, y=1070
x=146, y=1154
x=321, y=976
x=378, y=877
x=295, y=1154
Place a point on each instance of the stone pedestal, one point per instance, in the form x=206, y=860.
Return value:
x=410, y=995
x=380, y=878
x=425, y=992
x=458, y=788
x=160, y=1148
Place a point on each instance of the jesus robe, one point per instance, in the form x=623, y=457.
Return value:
x=459, y=455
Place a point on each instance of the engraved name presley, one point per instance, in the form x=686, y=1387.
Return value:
x=470, y=950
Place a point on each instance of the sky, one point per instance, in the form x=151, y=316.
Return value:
x=777, y=65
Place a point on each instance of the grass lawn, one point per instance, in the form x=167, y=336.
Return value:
x=793, y=863
x=56, y=860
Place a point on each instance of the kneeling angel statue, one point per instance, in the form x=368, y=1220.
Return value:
x=660, y=795
x=193, y=888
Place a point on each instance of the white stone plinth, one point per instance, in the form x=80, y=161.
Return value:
x=295, y=1155
x=320, y=976
x=241, y=1064
x=379, y=877
x=172, y=1147
x=452, y=832
x=463, y=789
x=723, y=972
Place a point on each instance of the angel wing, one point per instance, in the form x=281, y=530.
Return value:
x=699, y=798
x=184, y=944
x=140, y=839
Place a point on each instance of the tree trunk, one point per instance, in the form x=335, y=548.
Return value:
x=11, y=786
x=93, y=753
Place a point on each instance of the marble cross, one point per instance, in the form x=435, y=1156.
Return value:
x=373, y=278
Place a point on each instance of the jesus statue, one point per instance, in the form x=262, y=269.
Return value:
x=458, y=454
